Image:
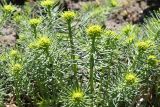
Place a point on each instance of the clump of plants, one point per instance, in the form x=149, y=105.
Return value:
x=60, y=60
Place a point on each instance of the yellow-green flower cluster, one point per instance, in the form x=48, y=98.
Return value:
x=22, y=38
x=128, y=28
x=94, y=30
x=14, y=54
x=47, y=3
x=18, y=18
x=110, y=33
x=3, y=57
x=43, y=103
x=68, y=15
x=130, y=39
x=114, y=3
x=8, y=8
x=35, y=22
x=44, y=42
x=143, y=45
x=152, y=60
x=33, y=45
x=130, y=78
x=77, y=96
x=16, y=68
x=41, y=43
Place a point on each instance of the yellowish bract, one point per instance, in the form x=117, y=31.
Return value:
x=94, y=30
x=68, y=15
x=3, y=57
x=18, y=18
x=9, y=8
x=152, y=60
x=41, y=43
x=128, y=28
x=35, y=21
x=131, y=78
x=77, y=95
x=143, y=45
x=152, y=57
x=33, y=45
x=14, y=54
x=16, y=68
x=130, y=39
x=47, y=3
x=110, y=33
x=114, y=3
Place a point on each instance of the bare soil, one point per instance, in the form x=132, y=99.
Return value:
x=131, y=11
x=135, y=12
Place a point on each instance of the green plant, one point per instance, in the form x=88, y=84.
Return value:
x=68, y=16
x=93, y=31
x=61, y=60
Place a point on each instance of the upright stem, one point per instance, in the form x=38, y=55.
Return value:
x=17, y=91
x=74, y=66
x=49, y=12
x=92, y=67
x=137, y=58
x=35, y=31
x=108, y=83
x=101, y=87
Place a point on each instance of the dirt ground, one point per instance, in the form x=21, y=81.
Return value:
x=134, y=12
x=131, y=11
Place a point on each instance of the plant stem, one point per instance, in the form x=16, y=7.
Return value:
x=92, y=67
x=17, y=91
x=35, y=31
x=74, y=66
x=49, y=12
x=101, y=86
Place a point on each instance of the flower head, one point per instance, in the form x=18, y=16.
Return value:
x=74, y=98
x=128, y=28
x=3, y=57
x=35, y=22
x=47, y=3
x=68, y=15
x=114, y=3
x=130, y=39
x=152, y=60
x=33, y=45
x=130, y=78
x=8, y=8
x=143, y=45
x=18, y=18
x=41, y=43
x=94, y=30
x=77, y=96
x=16, y=68
x=14, y=54
x=110, y=33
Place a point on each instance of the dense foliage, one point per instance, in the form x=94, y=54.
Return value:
x=68, y=59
